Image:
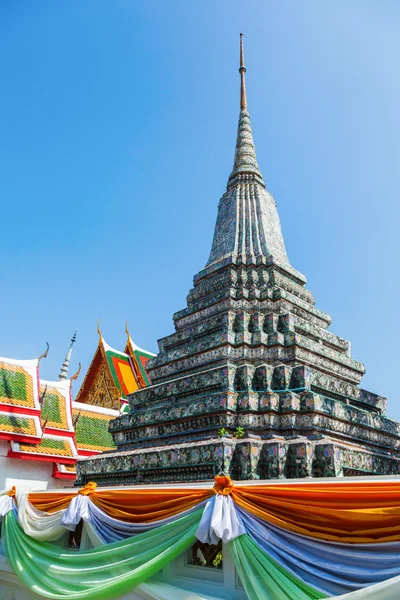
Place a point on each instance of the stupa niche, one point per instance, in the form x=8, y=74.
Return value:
x=251, y=383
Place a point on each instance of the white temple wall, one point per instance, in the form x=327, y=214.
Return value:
x=32, y=473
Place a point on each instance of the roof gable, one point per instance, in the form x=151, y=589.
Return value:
x=139, y=358
x=122, y=371
x=111, y=375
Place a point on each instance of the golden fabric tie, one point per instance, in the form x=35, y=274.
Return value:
x=12, y=492
x=223, y=485
x=88, y=489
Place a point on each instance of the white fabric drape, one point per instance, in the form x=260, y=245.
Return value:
x=220, y=521
x=6, y=504
x=78, y=509
x=37, y=524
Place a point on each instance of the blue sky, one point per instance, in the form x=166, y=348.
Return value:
x=118, y=123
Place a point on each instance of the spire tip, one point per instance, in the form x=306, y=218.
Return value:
x=242, y=71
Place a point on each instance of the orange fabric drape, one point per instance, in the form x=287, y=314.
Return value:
x=140, y=506
x=344, y=512
x=51, y=502
x=353, y=512
x=133, y=505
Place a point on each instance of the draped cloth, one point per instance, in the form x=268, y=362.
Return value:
x=38, y=524
x=105, y=528
x=132, y=505
x=220, y=521
x=333, y=567
x=104, y=572
x=351, y=512
x=6, y=504
x=263, y=578
x=296, y=541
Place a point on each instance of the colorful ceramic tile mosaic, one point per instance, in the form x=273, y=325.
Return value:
x=17, y=424
x=48, y=446
x=16, y=386
x=54, y=409
x=92, y=430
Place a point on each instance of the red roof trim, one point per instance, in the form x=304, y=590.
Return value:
x=41, y=457
x=17, y=437
x=62, y=475
x=87, y=452
x=60, y=432
x=58, y=475
x=20, y=410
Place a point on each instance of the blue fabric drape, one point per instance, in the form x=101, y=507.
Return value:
x=112, y=530
x=329, y=566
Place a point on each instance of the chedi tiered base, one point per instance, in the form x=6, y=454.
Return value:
x=250, y=351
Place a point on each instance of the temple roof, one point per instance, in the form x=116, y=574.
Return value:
x=20, y=428
x=57, y=438
x=20, y=400
x=50, y=448
x=125, y=371
x=19, y=384
x=56, y=408
x=91, y=426
x=42, y=423
x=139, y=358
x=121, y=370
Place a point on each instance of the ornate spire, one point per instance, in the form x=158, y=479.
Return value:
x=245, y=161
x=248, y=228
x=64, y=369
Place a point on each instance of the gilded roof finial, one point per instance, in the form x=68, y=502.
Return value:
x=77, y=373
x=99, y=330
x=127, y=330
x=242, y=71
x=64, y=369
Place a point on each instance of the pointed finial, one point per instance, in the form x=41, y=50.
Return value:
x=99, y=330
x=127, y=330
x=242, y=71
x=64, y=369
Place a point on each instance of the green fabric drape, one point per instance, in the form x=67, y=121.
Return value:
x=265, y=579
x=104, y=572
